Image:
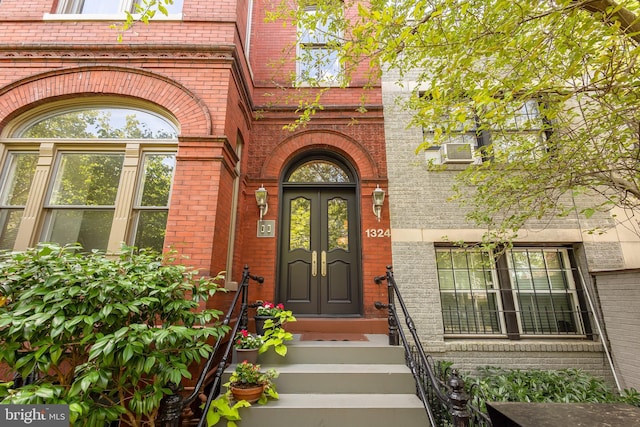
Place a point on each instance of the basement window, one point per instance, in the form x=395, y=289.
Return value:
x=524, y=292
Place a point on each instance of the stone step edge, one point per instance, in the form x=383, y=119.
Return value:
x=374, y=340
x=337, y=368
x=343, y=401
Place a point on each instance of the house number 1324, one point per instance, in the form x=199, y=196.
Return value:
x=378, y=232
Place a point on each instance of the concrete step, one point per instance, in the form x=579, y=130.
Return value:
x=375, y=350
x=360, y=382
x=338, y=410
x=341, y=378
x=338, y=325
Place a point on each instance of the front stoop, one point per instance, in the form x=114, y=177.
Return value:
x=339, y=384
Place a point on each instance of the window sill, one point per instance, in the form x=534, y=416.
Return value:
x=577, y=343
x=104, y=17
x=322, y=85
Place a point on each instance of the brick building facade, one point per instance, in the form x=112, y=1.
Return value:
x=517, y=331
x=204, y=95
x=210, y=74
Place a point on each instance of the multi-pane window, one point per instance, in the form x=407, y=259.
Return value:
x=524, y=125
x=16, y=180
x=81, y=199
x=526, y=291
x=469, y=292
x=97, y=176
x=318, y=61
x=103, y=7
x=151, y=206
x=520, y=123
x=543, y=290
x=456, y=127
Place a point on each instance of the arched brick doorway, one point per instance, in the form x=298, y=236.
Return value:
x=319, y=267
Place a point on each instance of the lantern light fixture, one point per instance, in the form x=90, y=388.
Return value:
x=261, y=199
x=378, y=201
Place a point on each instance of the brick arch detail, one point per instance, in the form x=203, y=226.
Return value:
x=191, y=112
x=309, y=140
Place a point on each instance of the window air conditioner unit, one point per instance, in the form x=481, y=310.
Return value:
x=457, y=153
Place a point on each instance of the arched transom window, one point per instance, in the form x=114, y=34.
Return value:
x=319, y=171
x=99, y=176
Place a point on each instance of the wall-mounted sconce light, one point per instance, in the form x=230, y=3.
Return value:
x=378, y=200
x=261, y=200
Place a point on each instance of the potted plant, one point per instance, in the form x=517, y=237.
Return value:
x=246, y=346
x=264, y=312
x=246, y=379
x=273, y=333
x=248, y=382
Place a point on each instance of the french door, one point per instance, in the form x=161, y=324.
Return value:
x=319, y=251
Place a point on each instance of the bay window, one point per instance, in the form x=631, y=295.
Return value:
x=81, y=200
x=97, y=176
x=104, y=7
x=16, y=179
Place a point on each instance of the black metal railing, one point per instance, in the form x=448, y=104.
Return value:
x=446, y=402
x=173, y=405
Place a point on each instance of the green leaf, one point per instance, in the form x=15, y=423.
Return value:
x=45, y=393
x=149, y=363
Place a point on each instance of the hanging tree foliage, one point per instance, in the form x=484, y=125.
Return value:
x=480, y=61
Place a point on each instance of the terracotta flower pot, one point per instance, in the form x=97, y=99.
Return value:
x=250, y=394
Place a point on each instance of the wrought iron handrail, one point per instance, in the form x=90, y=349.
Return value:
x=454, y=397
x=173, y=405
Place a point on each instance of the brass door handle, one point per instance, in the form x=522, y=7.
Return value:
x=324, y=264
x=314, y=263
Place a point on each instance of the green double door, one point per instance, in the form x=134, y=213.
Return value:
x=319, y=270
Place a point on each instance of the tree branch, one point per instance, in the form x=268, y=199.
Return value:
x=611, y=10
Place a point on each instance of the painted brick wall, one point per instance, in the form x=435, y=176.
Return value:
x=421, y=216
x=620, y=298
x=470, y=355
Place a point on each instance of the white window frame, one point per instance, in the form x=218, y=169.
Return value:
x=318, y=45
x=571, y=291
x=73, y=7
x=521, y=124
x=70, y=10
x=495, y=291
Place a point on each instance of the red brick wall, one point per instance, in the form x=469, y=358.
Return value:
x=186, y=68
x=273, y=57
x=195, y=70
x=362, y=144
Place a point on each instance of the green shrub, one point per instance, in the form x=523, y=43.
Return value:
x=105, y=335
x=559, y=386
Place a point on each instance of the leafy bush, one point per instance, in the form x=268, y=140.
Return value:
x=106, y=335
x=559, y=386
